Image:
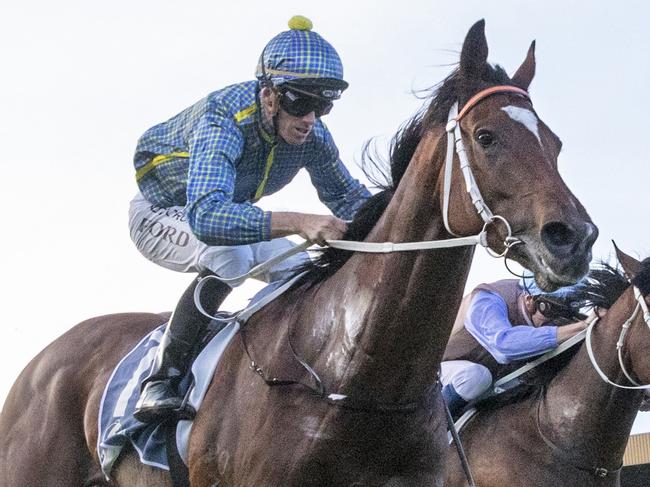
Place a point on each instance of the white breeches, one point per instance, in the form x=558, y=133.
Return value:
x=163, y=236
x=469, y=379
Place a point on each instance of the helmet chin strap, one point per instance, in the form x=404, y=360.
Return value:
x=268, y=121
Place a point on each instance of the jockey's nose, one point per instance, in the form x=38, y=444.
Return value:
x=309, y=118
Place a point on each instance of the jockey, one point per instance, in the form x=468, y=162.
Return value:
x=497, y=324
x=200, y=173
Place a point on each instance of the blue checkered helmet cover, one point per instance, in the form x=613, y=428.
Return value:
x=298, y=53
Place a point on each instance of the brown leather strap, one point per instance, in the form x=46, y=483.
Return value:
x=487, y=92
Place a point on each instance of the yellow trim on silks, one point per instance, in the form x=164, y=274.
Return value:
x=156, y=161
x=267, y=169
x=245, y=113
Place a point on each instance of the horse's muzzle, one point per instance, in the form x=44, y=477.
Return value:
x=565, y=252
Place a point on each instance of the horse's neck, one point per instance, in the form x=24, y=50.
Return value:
x=582, y=413
x=396, y=310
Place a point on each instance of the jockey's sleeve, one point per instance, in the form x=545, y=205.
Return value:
x=487, y=321
x=336, y=188
x=215, y=146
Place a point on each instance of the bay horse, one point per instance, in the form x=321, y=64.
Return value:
x=373, y=326
x=574, y=430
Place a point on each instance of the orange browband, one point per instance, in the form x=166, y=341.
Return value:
x=487, y=92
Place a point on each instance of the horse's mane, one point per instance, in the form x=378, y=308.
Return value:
x=402, y=147
x=601, y=288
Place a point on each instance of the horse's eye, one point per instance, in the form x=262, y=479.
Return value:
x=485, y=138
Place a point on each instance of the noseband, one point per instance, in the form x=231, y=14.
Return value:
x=641, y=306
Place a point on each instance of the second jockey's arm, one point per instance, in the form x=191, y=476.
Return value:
x=487, y=320
x=315, y=228
x=567, y=331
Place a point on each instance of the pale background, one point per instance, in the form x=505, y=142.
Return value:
x=81, y=81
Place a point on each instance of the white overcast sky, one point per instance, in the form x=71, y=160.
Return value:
x=82, y=80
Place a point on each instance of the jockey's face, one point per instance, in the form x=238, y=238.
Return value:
x=535, y=314
x=293, y=130
x=539, y=319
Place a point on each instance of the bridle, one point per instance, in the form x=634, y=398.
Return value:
x=640, y=306
x=455, y=140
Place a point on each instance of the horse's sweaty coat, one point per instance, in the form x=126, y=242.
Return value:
x=374, y=329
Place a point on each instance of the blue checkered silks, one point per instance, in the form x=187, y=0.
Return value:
x=215, y=159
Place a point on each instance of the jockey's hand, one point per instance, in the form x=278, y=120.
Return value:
x=315, y=228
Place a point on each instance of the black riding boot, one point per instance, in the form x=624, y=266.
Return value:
x=454, y=401
x=160, y=396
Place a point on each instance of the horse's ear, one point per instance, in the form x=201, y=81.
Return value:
x=630, y=265
x=526, y=71
x=473, y=57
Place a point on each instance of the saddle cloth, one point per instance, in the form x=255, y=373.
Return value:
x=118, y=427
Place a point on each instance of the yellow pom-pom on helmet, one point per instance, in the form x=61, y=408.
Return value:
x=299, y=22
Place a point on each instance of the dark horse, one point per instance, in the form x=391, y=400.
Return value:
x=374, y=327
x=573, y=431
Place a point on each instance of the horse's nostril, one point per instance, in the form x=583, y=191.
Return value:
x=559, y=236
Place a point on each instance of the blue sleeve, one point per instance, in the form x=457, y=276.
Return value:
x=215, y=146
x=336, y=188
x=487, y=321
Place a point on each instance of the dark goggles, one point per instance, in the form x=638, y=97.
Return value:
x=301, y=103
x=555, y=310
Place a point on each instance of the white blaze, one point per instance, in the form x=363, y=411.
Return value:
x=525, y=117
